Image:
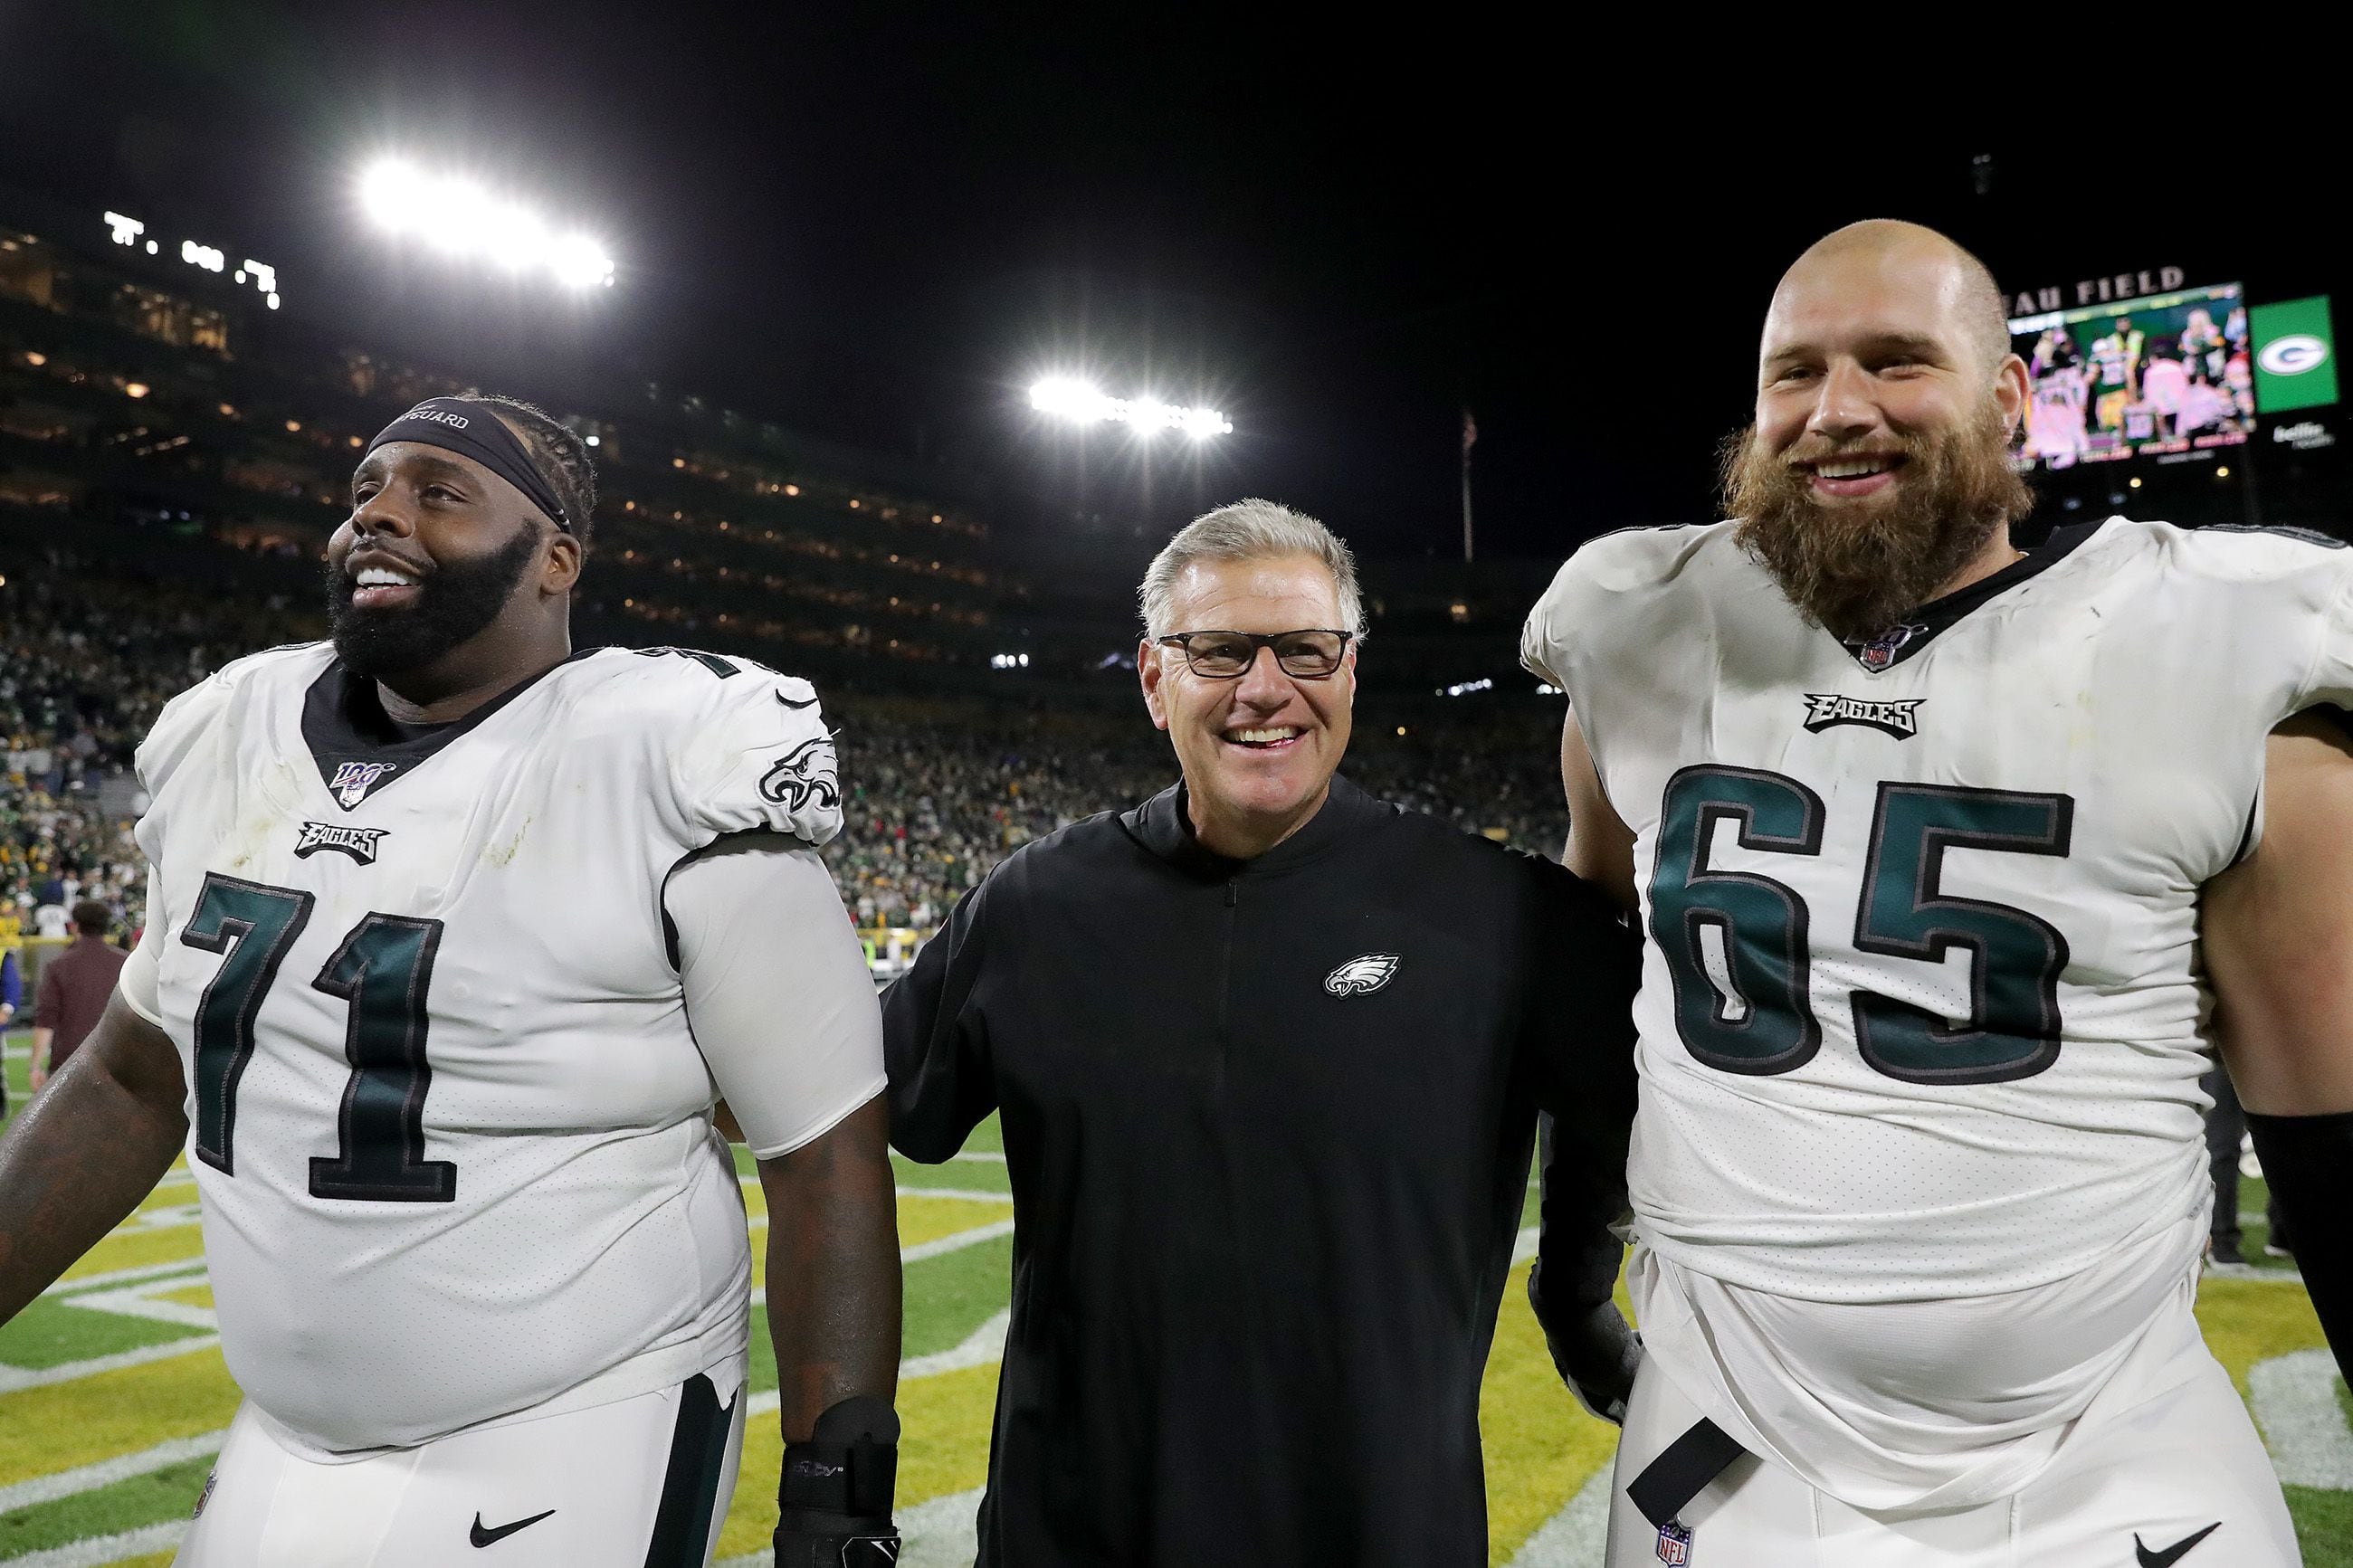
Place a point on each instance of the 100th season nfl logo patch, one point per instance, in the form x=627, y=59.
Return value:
x=354, y=779
x=1675, y=1542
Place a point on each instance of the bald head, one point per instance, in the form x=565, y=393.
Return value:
x=1887, y=397
x=1924, y=262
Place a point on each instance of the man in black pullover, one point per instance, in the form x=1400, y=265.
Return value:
x=1268, y=1053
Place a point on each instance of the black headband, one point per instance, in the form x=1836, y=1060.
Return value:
x=474, y=430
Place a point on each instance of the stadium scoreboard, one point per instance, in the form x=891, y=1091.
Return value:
x=2170, y=376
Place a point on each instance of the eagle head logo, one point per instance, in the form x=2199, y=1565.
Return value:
x=1360, y=976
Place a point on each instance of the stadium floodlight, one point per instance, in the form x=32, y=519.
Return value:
x=459, y=217
x=1067, y=397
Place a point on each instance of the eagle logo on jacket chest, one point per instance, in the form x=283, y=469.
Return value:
x=1361, y=977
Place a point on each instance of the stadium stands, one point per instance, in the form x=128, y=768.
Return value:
x=939, y=789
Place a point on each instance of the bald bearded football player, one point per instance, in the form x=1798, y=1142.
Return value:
x=1916, y=824
x=454, y=938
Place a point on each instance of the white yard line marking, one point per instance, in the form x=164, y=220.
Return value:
x=960, y=1195
x=2294, y=1398
x=956, y=1243
x=103, y=1549
x=2260, y=1275
x=1578, y=1535
x=125, y=1276
x=142, y=1302
x=979, y=1157
x=13, y=1379
x=106, y=1472
x=983, y=1345
x=941, y=1531
x=1523, y=1247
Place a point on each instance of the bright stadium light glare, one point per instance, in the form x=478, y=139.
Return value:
x=1070, y=398
x=460, y=218
x=1067, y=397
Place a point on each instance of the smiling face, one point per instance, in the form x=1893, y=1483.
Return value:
x=442, y=563
x=1878, y=466
x=1258, y=751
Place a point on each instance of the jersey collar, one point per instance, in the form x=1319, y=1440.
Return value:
x=1163, y=825
x=359, y=748
x=1916, y=629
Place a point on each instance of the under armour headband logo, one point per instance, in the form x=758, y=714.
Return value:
x=457, y=425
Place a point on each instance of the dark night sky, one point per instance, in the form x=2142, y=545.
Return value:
x=878, y=224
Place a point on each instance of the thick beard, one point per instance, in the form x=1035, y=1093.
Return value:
x=1852, y=570
x=457, y=601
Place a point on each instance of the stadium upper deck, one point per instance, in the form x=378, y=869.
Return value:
x=131, y=393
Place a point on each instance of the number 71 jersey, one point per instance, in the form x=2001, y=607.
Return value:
x=1921, y=1012
x=447, y=1122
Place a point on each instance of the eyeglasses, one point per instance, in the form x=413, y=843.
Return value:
x=1309, y=655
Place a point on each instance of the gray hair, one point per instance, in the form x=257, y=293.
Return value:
x=1249, y=530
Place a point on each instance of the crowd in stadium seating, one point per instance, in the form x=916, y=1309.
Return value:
x=82, y=674
x=935, y=795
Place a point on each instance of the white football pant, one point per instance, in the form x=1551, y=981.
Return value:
x=638, y=1483
x=2152, y=1478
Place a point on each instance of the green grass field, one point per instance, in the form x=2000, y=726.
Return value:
x=114, y=1395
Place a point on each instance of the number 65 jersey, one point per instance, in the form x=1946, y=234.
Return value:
x=1921, y=1010
x=449, y=1127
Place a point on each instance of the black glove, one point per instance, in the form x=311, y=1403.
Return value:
x=834, y=1501
x=1595, y=1352
x=857, y=1547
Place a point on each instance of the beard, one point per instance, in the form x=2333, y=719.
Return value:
x=458, y=599
x=1855, y=569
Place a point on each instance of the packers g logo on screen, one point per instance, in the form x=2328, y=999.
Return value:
x=2295, y=354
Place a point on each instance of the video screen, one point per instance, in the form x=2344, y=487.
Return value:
x=2140, y=378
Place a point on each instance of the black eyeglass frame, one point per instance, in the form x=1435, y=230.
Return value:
x=1258, y=640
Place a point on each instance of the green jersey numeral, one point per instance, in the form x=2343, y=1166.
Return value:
x=1736, y=943
x=382, y=972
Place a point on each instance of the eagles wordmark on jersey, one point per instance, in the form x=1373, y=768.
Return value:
x=448, y=1126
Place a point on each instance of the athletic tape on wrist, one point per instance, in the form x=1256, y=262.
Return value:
x=849, y=1466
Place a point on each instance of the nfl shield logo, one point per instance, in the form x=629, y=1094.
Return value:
x=1675, y=1542
x=354, y=779
x=1880, y=651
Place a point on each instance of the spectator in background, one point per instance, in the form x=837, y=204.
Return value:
x=75, y=986
x=2226, y=1132
x=12, y=996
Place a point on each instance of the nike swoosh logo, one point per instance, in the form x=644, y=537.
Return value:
x=481, y=1537
x=2173, y=1553
x=790, y=703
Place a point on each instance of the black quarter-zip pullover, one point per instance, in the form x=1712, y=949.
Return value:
x=1268, y=1126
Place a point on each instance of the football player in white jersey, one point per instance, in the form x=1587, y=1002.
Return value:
x=1917, y=824
x=454, y=939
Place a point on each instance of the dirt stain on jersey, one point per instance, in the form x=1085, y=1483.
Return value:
x=504, y=854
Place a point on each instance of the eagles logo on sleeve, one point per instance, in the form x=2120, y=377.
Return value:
x=805, y=776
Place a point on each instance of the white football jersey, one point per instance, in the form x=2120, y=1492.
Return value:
x=449, y=1129
x=1921, y=1013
